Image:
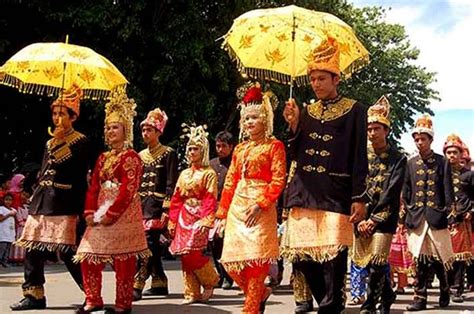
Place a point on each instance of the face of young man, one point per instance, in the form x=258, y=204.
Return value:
x=324, y=84
x=377, y=134
x=423, y=142
x=61, y=117
x=223, y=149
x=453, y=154
x=150, y=135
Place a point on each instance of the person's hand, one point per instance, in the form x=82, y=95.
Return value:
x=358, y=212
x=468, y=216
x=59, y=132
x=13, y=212
x=90, y=220
x=366, y=228
x=171, y=229
x=251, y=215
x=106, y=221
x=291, y=113
x=164, y=219
x=220, y=227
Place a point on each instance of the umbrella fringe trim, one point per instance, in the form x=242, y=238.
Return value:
x=301, y=80
x=50, y=91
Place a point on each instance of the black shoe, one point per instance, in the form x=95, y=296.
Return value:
x=444, y=299
x=417, y=305
x=156, y=291
x=264, y=301
x=304, y=307
x=137, y=294
x=82, y=310
x=29, y=303
x=386, y=303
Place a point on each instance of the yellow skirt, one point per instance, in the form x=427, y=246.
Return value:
x=249, y=246
x=315, y=234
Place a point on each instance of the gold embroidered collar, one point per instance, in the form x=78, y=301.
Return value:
x=330, y=110
x=154, y=154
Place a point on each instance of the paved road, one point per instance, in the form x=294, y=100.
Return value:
x=63, y=296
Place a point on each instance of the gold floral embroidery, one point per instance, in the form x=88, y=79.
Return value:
x=333, y=111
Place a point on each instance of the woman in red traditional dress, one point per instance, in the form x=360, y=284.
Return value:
x=400, y=259
x=247, y=209
x=192, y=210
x=113, y=214
x=18, y=252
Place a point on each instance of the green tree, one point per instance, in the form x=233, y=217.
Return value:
x=169, y=52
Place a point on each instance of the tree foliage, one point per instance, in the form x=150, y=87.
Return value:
x=170, y=53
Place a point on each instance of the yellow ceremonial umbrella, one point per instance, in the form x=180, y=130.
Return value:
x=47, y=68
x=276, y=44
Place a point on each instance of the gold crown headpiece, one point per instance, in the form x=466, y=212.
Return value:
x=325, y=57
x=424, y=124
x=156, y=118
x=253, y=98
x=453, y=140
x=197, y=136
x=70, y=98
x=379, y=112
x=121, y=109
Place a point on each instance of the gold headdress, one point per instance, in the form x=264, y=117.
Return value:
x=70, y=98
x=252, y=98
x=379, y=112
x=453, y=141
x=121, y=109
x=325, y=57
x=156, y=118
x=423, y=125
x=197, y=136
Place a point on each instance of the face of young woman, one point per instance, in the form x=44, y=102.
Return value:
x=115, y=133
x=194, y=154
x=254, y=124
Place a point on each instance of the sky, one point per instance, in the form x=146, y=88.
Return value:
x=443, y=31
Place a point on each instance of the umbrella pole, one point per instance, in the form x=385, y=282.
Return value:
x=293, y=35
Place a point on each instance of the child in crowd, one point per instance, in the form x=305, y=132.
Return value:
x=7, y=228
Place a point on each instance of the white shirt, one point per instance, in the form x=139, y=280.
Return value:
x=7, y=226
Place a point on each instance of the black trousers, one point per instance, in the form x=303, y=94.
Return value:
x=327, y=282
x=470, y=274
x=422, y=273
x=152, y=266
x=34, y=267
x=456, y=277
x=216, y=246
x=379, y=288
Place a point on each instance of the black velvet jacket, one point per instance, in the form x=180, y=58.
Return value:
x=329, y=157
x=384, y=186
x=461, y=198
x=428, y=192
x=62, y=180
x=160, y=173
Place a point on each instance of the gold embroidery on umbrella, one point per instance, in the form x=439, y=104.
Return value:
x=246, y=41
x=274, y=56
x=52, y=73
x=87, y=76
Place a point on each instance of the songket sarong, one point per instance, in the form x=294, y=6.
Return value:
x=253, y=246
x=51, y=233
x=315, y=234
x=400, y=259
x=461, y=240
x=123, y=239
x=372, y=250
x=188, y=235
x=425, y=243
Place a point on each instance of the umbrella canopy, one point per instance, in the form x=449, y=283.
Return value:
x=276, y=44
x=47, y=68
